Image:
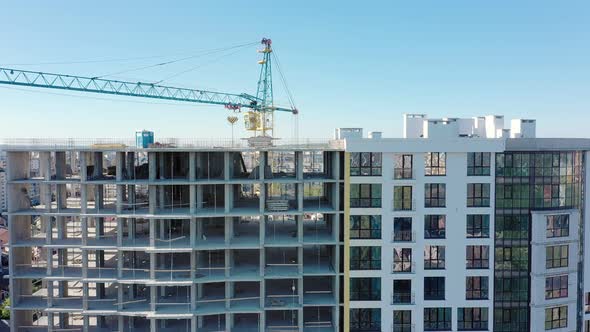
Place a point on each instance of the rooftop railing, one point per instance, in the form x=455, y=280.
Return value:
x=162, y=143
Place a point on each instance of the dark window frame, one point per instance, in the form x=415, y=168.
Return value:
x=435, y=164
x=365, y=289
x=556, y=287
x=472, y=319
x=554, y=257
x=477, y=288
x=402, y=234
x=477, y=257
x=556, y=317
x=434, y=288
x=478, y=226
x=358, y=229
x=432, y=226
x=438, y=319
x=478, y=195
x=365, y=319
x=403, y=166
x=435, y=195
x=558, y=225
x=372, y=200
x=358, y=261
x=403, y=198
x=479, y=163
x=434, y=257
x=366, y=164
x=402, y=261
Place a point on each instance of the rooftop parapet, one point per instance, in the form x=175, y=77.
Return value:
x=126, y=144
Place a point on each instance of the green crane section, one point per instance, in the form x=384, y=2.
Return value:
x=260, y=108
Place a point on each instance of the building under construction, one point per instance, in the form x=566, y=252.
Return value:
x=176, y=237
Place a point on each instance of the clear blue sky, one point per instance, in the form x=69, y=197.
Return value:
x=359, y=64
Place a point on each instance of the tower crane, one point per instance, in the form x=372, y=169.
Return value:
x=258, y=119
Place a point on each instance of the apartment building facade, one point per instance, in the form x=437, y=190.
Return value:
x=460, y=225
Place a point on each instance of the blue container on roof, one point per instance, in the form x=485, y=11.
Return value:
x=144, y=138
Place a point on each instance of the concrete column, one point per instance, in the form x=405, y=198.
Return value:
x=193, y=232
x=192, y=166
x=262, y=197
x=85, y=294
x=262, y=230
x=153, y=170
x=300, y=259
x=83, y=166
x=161, y=164
x=60, y=165
x=152, y=223
x=336, y=164
x=152, y=199
x=119, y=200
x=226, y=165
x=227, y=263
x=130, y=166
x=229, y=230
x=299, y=228
x=192, y=199
x=228, y=197
x=84, y=263
x=120, y=166
x=299, y=194
x=299, y=164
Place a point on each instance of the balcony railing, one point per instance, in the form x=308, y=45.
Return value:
x=403, y=267
x=403, y=236
x=403, y=327
x=402, y=173
x=403, y=298
x=404, y=204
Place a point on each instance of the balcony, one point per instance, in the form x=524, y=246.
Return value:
x=403, y=267
x=403, y=298
x=403, y=174
x=403, y=236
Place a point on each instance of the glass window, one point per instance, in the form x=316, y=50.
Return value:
x=476, y=288
x=435, y=164
x=478, y=195
x=434, y=288
x=472, y=319
x=437, y=319
x=434, y=195
x=402, y=321
x=365, y=163
x=478, y=226
x=434, y=226
x=558, y=225
x=478, y=257
x=478, y=163
x=402, y=291
x=556, y=318
x=402, y=198
x=365, y=195
x=556, y=256
x=403, y=166
x=434, y=257
x=362, y=320
x=365, y=289
x=365, y=258
x=556, y=287
x=402, y=229
x=365, y=227
x=402, y=260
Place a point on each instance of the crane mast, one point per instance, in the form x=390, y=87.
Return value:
x=258, y=118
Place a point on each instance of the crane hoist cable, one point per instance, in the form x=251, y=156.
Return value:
x=160, y=64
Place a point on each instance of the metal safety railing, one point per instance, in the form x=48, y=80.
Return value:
x=162, y=143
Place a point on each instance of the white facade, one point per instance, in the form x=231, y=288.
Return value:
x=455, y=240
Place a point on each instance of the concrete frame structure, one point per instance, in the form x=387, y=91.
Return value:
x=176, y=239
